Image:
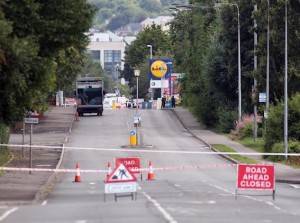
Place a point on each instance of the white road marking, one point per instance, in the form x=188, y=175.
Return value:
x=92, y=183
x=252, y=198
x=81, y=221
x=7, y=213
x=166, y=215
x=295, y=186
x=44, y=202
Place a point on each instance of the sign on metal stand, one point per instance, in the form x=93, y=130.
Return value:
x=121, y=182
x=256, y=177
x=30, y=121
x=132, y=163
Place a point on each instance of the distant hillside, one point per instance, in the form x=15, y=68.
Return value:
x=114, y=14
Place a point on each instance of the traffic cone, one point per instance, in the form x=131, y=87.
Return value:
x=77, y=176
x=109, y=170
x=150, y=173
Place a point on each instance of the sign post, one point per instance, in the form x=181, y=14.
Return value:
x=256, y=177
x=30, y=121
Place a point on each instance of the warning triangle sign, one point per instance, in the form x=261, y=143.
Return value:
x=120, y=174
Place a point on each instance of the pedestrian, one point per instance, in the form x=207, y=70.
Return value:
x=173, y=101
x=163, y=102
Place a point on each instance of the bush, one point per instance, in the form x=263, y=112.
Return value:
x=226, y=120
x=244, y=128
x=275, y=125
x=293, y=147
x=4, y=138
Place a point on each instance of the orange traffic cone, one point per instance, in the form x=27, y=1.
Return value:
x=150, y=173
x=109, y=170
x=77, y=176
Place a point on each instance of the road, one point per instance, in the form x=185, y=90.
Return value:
x=204, y=194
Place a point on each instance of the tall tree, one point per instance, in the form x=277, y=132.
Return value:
x=39, y=31
x=138, y=52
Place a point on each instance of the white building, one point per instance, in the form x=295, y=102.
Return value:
x=108, y=49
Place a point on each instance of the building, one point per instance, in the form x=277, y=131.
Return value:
x=160, y=21
x=108, y=49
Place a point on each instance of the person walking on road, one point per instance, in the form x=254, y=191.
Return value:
x=173, y=101
x=163, y=102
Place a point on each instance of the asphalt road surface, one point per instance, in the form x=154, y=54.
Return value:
x=204, y=194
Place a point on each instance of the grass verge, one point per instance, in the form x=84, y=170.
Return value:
x=5, y=156
x=258, y=146
x=238, y=158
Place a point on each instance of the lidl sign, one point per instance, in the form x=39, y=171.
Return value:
x=160, y=68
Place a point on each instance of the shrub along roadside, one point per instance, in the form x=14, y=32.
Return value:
x=5, y=153
x=238, y=158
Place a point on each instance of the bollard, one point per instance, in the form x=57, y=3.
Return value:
x=133, y=138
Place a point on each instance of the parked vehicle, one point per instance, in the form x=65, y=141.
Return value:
x=89, y=95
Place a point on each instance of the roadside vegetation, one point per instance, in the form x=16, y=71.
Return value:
x=238, y=158
x=205, y=49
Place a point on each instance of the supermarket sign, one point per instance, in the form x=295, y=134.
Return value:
x=255, y=177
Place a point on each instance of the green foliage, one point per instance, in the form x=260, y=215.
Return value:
x=238, y=158
x=137, y=54
x=294, y=147
x=275, y=125
x=226, y=120
x=40, y=44
x=4, y=138
x=114, y=14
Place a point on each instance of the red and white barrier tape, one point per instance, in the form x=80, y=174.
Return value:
x=106, y=171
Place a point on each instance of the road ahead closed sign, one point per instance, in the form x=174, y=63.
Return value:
x=256, y=177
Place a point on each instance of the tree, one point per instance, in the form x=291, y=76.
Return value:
x=137, y=53
x=39, y=31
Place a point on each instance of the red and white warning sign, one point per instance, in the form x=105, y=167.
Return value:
x=120, y=174
x=255, y=177
x=132, y=163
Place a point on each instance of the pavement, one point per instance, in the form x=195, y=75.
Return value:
x=55, y=128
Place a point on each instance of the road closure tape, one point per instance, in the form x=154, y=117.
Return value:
x=154, y=151
x=212, y=166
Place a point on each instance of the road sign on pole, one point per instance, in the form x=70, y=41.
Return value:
x=31, y=120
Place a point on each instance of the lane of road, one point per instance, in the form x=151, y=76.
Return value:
x=194, y=195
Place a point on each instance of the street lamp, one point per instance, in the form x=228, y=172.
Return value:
x=137, y=74
x=117, y=69
x=286, y=86
x=239, y=58
x=268, y=62
x=150, y=46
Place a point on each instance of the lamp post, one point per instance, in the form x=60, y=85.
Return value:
x=150, y=46
x=286, y=86
x=117, y=69
x=137, y=74
x=239, y=59
x=268, y=62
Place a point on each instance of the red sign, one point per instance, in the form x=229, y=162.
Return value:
x=120, y=174
x=132, y=163
x=256, y=177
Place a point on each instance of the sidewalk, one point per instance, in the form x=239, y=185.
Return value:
x=283, y=173
x=52, y=130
